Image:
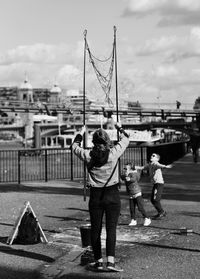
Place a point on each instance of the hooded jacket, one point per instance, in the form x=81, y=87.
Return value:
x=131, y=182
x=100, y=170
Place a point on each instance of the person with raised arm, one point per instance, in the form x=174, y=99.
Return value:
x=103, y=182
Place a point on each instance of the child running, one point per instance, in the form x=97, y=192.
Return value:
x=131, y=177
x=155, y=173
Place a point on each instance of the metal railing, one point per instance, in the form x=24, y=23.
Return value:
x=60, y=163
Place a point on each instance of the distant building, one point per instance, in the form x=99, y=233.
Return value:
x=25, y=92
x=133, y=105
x=76, y=98
x=41, y=95
x=55, y=94
x=8, y=93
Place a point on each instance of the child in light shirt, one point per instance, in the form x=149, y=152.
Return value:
x=155, y=173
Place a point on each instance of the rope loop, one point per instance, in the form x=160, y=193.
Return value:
x=105, y=80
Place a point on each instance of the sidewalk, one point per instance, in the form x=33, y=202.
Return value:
x=157, y=251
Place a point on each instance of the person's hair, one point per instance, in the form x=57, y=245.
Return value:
x=101, y=137
x=101, y=149
x=156, y=154
x=132, y=165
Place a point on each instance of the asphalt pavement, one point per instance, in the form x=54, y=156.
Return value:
x=158, y=251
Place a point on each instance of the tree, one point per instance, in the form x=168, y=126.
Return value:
x=197, y=103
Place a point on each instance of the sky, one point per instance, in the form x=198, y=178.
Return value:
x=157, y=46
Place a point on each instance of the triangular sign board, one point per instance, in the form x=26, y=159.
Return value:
x=13, y=235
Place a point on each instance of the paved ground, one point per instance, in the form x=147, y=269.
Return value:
x=158, y=251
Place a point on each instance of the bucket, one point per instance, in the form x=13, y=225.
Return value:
x=85, y=231
x=87, y=257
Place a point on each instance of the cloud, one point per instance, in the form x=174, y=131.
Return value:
x=170, y=12
x=173, y=48
x=164, y=83
x=158, y=45
x=69, y=76
x=41, y=53
x=46, y=63
x=165, y=71
x=39, y=75
x=142, y=7
x=43, y=64
x=8, y=72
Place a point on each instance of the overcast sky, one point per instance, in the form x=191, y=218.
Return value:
x=158, y=45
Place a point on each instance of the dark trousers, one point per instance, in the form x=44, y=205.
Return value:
x=104, y=201
x=133, y=202
x=195, y=152
x=156, y=196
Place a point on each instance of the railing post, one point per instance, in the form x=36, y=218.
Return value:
x=19, y=166
x=142, y=157
x=45, y=166
x=72, y=168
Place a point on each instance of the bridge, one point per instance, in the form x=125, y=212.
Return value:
x=178, y=119
x=56, y=108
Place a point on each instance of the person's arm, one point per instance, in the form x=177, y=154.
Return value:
x=141, y=168
x=80, y=152
x=164, y=166
x=121, y=130
x=79, y=137
x=121, y=146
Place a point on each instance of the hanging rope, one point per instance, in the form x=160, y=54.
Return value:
x=105, y=80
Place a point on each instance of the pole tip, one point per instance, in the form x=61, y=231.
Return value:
x=85, y=33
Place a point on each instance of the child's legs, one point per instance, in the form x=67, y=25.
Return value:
x=132, y=206
x=140, y=205
x=156, y=196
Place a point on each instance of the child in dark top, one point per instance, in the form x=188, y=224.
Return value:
x=131, y=177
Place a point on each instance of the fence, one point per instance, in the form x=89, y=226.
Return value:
x=60, y=163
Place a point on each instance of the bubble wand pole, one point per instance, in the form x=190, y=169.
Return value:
x=84, y=82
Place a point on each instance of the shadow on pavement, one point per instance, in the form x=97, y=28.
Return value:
x=191, y=214
x=176, y=193
x=25, y=254
x=12, y=273
x=77, y=191
x=79, y=209
x=66, y=218
x=6, y=224
x=171, y=193
x=166, y=246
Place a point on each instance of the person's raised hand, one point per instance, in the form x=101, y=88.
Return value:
x=118, y=125
x=82, y=130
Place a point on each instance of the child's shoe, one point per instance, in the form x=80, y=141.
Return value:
x=147, y=222
x=113, y=267
x=133, y=223
x=160, y=215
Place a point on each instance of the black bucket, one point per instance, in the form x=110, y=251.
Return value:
x=85, y=231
